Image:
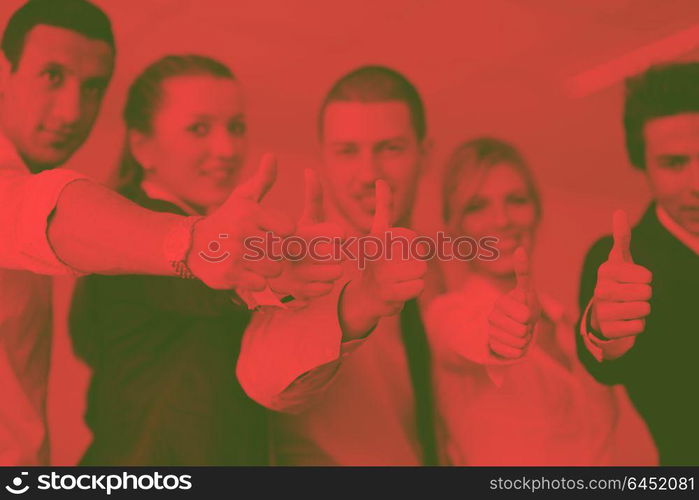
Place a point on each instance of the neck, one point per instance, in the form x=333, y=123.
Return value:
x=155, y=189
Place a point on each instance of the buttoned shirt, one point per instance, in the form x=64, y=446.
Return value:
x=26, y=263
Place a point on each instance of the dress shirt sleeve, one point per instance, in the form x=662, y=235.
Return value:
x=289, y=356
x=27, y=204
x=602, y=359
x=601, y=349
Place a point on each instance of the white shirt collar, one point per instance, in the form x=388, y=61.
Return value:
x=157, y=192
x=687, y=238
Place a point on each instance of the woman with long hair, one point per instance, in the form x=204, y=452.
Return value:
x=509, y=387
x=163, y=349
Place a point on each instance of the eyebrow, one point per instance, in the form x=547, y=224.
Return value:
x=205, y=116
x=380, y=143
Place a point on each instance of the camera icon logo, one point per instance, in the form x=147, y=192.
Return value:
x=215, y=247
x=16, y=487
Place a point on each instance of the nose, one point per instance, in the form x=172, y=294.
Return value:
x=67, y=105
x=368, y=169
x=501, y=215
x=224, y=145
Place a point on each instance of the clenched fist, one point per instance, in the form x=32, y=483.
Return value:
x=314, y=274
x=621, y=299
x=386, y=283
x=514, y=316
x=240, y=217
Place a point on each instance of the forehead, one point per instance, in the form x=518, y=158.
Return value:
x=201, y=94
x=366, y=121
x=51, y=44
x=495, y=180
x=676, y=133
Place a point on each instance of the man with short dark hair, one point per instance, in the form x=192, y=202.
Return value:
x=378, y=408
x=50, y=46
x=639, y=287
x=57, y=59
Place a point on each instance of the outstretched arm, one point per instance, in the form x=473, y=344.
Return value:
x=95, y=230
x=58, y=221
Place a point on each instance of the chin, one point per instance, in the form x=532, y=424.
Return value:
x=500, y=268
x=358, y=219
x=206, y=203
x=39, y=163
x=49, y=157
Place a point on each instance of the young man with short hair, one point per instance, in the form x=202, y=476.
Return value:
x=373, y=407
x=639, y=286
x=57, y=59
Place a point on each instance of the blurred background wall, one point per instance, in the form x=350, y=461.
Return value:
x=507, y=68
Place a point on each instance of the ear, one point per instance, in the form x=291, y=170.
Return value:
x=141, y=148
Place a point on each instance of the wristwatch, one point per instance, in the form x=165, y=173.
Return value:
x=178, y=244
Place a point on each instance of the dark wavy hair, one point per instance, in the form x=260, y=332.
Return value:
x=144, y=98
x=662, y=90
x=80, y=16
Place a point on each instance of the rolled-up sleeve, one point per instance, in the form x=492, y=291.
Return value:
x=27, y=204
x=288, y=357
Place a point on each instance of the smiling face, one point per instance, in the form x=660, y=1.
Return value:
x=197, y=144
x=361, y=143
x=498, y=204
x=672, y=166
x=51, y=99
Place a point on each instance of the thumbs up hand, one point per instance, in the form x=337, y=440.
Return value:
x=623, y=289
x=216, y=255
x=315, y=274
x=514, y=316
x=385, y=284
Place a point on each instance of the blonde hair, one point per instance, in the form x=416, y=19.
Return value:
x=471, y=159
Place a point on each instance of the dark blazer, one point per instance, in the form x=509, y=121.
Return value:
x=661, y=370
x=163, y=352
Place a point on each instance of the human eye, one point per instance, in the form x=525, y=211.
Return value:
x=237, y=127
x=673, y=162
x=392, y=147
x=346, y=150
x=474, y=205
x=199, y=129
x=94, y=89
x=518, y=199
x=53, y=76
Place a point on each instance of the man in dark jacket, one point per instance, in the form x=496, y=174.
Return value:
x=639, y=287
